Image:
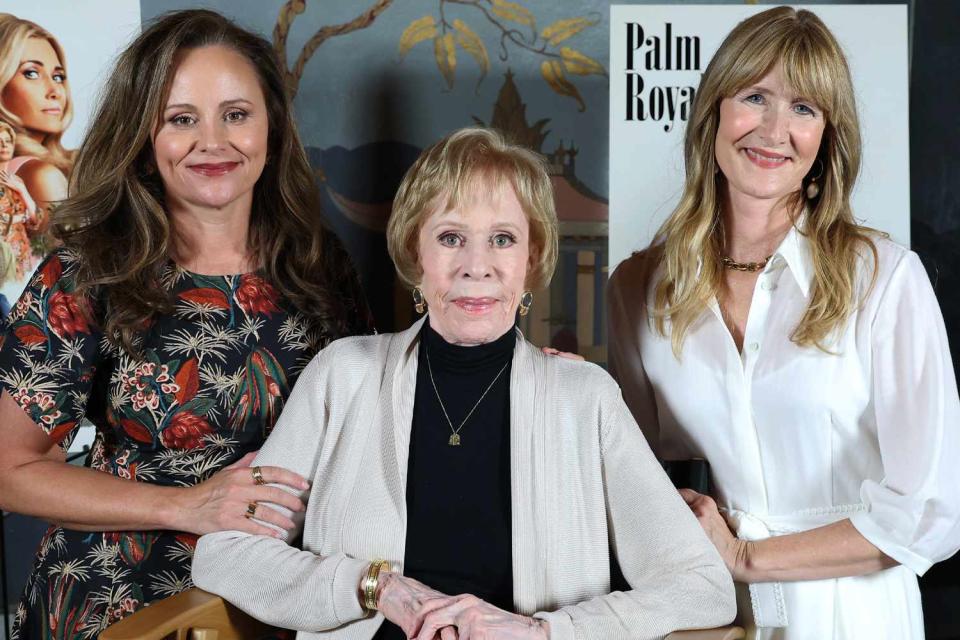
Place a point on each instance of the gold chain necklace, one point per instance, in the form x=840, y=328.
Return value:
x=730, y=263
x=454, y=440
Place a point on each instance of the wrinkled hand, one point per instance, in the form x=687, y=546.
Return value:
x=474, y=619
x=220, y=503
x=734, y=551
x=405, y=602
x=550, y=351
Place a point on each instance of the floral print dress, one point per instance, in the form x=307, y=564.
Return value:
x=208, y=388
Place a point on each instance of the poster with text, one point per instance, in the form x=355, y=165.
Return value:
x=658, y=54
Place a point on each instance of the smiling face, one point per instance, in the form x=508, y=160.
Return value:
x=768, y=139
x=211, y=144
x=38, y=92
x=6, y=145
x=475, y=262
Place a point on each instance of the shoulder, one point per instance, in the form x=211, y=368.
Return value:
x=637, y=271
x=584, y=382
x=44, y=180
x=349, y=359
x=882, y=261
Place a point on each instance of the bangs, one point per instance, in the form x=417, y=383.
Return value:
x=813, y=65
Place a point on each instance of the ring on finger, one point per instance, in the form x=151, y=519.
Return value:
x=251, y=510
x=258, y=476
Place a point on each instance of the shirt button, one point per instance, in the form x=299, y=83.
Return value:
x=754, y=346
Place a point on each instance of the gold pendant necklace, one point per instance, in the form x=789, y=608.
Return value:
x=454, y=440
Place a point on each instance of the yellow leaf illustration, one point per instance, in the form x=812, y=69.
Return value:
x=552, y=72
x=580, y=64
x=472, y=44
x=416, y=32
x=446, y=55
x=513, y=12
x=563, y=29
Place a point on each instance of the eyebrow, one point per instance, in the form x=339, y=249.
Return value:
x=40, y=64
x=459, y=225
x=187, y=105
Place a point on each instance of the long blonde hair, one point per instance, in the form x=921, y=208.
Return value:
x=14, y=33
x=689, y=244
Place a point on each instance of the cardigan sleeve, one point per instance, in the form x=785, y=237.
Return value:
x=913, y=512
x=677, y=578
x=275, y=582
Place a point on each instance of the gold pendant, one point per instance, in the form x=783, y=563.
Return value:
x=454, y=440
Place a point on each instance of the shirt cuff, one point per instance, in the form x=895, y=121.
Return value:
x=346, y=589
x=561, y=625
x=879, y=538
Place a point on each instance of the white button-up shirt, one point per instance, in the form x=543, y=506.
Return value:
x=797, y=438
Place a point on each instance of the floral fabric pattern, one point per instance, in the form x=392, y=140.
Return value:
x=207, y=388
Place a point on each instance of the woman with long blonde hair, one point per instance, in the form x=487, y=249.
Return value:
x=801, y=354
x=35, y=99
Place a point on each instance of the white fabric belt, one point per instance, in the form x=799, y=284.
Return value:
x=766, y=598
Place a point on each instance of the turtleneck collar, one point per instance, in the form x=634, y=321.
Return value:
x=456, y=358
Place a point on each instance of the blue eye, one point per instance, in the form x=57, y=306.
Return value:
x=755, y=98
x=31, y=74
x=804, y=110
x=450, y=240
x=60, y=77
x=503, y=240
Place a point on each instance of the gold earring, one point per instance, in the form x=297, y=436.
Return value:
x=419, y=303
x=525, y=301
x=813, y=189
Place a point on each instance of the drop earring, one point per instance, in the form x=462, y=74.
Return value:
x=525, y=301
x=813, y=189
x=419, y=303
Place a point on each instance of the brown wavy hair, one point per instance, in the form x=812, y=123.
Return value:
x=689, y=244
x=115, y=219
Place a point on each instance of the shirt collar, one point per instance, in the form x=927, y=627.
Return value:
x=794, y=250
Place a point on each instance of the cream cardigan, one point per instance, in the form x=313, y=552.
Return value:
x=583, y=481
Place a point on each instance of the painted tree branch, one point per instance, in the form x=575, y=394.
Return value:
x=362, y=21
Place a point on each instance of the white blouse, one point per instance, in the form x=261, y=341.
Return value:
x=797, y=438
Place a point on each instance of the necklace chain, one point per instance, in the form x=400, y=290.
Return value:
x=730, y=263
x=454, y=440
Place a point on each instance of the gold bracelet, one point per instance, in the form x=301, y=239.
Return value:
x=370, y=583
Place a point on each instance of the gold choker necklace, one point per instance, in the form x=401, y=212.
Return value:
x=729, y=263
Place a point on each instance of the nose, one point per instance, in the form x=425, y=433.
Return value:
x=773, y=127
x=54, y=90
x=211, y=136
x=477, y=263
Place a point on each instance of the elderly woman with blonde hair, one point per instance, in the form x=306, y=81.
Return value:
x=464, y=484
x=826, y=403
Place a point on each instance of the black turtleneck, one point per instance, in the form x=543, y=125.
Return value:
x=458, y=498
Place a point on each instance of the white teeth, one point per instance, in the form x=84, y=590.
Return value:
x=757, y=156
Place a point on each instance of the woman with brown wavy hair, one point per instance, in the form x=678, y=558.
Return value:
x=801, y=354
x=194, y=283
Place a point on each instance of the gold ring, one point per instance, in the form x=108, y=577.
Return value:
x=258, y=476
x=251, y=510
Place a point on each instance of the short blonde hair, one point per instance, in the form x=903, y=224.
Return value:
x=448, y=172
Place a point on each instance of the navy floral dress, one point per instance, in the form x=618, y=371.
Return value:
x=208, y=388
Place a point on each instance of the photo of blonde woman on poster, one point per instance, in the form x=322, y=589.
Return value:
x=49, y=73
